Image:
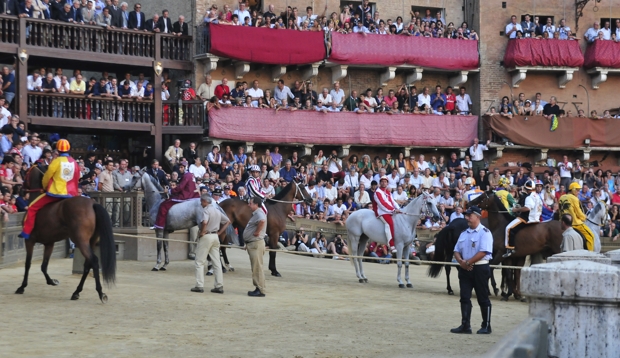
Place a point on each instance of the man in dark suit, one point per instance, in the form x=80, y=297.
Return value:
x=156, y=172
x=56, y=8
x=152, y=25
x=12, y=7
x=116, y=13
x=529, y=28
x=136, y=18
x=180, y=27
x=165, y=24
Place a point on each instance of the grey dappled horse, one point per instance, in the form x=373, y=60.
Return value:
x=595, y=220
x=363, y=225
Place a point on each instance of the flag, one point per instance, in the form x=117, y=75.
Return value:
x=554, y=123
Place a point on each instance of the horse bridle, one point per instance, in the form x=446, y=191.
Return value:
x=297, y=190
x=426, y=211
x=604, y=222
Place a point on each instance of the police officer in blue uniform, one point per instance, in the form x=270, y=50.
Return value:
x=473, y=252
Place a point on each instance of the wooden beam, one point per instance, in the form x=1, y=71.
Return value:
x=181, y=130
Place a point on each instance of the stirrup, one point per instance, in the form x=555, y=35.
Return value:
x=508, y=253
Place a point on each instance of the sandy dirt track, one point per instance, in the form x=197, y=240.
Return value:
x=317, y=309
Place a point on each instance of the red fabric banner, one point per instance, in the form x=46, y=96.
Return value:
x=602, y=54
x=268, y=46
x=543, y=52
x=311, y=127
x=386, y=50
x=571, y=131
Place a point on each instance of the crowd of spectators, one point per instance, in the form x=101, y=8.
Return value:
x=362, y=19
x=533, y=28
x=302, y=96
x=109, y=13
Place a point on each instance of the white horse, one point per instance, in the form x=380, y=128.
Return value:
x=363, y=225
x=595, y=220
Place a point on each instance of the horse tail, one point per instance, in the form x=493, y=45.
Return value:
x=440, y=246
x=230, y=234
x=106, y=244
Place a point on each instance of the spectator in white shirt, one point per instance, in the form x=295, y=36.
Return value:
x=422, y=165
x=457, y=214
x=361, y=197
x=606, y=31
x=366, y=179
x=255, y=93
x=337, y=95
x=400, y=196
x=138, y=92
x=416, y=179
x=325, y=97
x=331, y=193
x=563, y=30
x=242, y=13
x=274, y=173
x=197, y=169
x=424, y=101
x=466, y=164
x=513, y=27
x=393, y=179
x=441, y=181
x=549, y=27
x=463, y=102
x=34, y=81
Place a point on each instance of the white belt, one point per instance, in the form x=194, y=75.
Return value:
x=482, y=262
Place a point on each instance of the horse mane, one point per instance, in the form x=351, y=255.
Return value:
x=154, y=182
x=283, y=192
x=501, y=207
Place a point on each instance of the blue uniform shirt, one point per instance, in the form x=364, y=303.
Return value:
x=473, y=241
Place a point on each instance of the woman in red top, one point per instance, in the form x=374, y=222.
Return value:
x=450, y=101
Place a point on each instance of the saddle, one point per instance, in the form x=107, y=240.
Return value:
x=512, y=233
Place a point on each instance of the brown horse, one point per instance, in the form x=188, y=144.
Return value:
x=544, y=238
x=80, y=219
x=278, y=209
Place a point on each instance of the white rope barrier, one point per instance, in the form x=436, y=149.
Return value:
x=415, y=262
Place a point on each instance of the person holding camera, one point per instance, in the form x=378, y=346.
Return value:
x=300, y=240
x=338, y=247
x=335, y=166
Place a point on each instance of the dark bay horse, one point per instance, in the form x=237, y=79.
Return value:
x=80, y=219
x=278, y=209
x=445, y=240
x=544, y=238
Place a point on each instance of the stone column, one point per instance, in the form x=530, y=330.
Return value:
x=614, y=256
x=580, y=301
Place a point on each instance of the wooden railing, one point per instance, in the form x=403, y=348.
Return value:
x=71, y=106
x=176, y=47
x=88, y=38
x=9, y=29
x=193, y=114
x=127, y=210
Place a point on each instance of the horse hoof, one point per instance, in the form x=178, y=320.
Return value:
x=496, y=291
x=20, y=291
x=504, y=299
x=401, y=285
x=191, y=256
x=365, y=280
x=523, y=299
x=224, y=270
x=409, y=285
x=155, y=269
x=232, y=269
x=451, y=293
x=361, y=280
x=162, y=269
x=104, y=298
x=75, y=296
x=276, y=274
x=53, y=282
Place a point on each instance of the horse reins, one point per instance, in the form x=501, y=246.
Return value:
x=34, y=166
x=297, y=190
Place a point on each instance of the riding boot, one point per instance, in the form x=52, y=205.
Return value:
x=465, y=326
x=486, y=320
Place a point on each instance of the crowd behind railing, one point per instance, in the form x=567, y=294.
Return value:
x=532, y=27
x=364, y=19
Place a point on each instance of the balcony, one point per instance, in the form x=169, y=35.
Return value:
x=54, y=109
x=602, y=58
x=543, y=55
x=191, y=119
x=48, y=38
x=411, y=55
x=308, y=128
x=220, y=43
